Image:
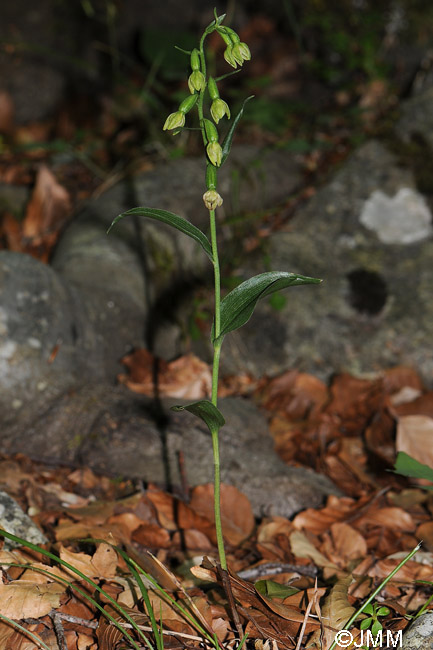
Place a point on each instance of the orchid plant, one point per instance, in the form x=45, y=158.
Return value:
x=236, y=308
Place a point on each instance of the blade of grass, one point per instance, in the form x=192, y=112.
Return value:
x=79, y=573
x=80, y=591
x=22, y=629
x=378, y=590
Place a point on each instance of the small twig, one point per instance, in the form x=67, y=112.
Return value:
x=225, y=579
x=307, y=613
x=58, y=629
x=77, y=620
x=274, y=568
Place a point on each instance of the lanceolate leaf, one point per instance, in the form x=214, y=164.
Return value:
x=207, y=412
x=227, y=144
x=172, y=220
x=408, y=466
x=238, y=305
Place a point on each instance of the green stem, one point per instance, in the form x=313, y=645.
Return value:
x=217, y=501
x=217, y=330
x=215, y=369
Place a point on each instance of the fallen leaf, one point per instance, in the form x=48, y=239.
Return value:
x=302, y=547
x=47, y=211
x=236, y=513
x=185, y=378
x=414, y=437
x=22, y=599
x=336, y=611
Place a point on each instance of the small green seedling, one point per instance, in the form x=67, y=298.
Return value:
x=238, y=305
x=374, y=611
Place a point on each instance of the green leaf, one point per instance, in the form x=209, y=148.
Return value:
x=172, y=220
x=227, y=144
x=408, y=466
x=376, y=627
x=273, y=589
x=368, y=609
x=206, y=411
x=365, y=624
x=382, y=611
x=238, y=305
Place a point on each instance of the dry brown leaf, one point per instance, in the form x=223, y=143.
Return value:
x=349, y=544
x=319, y=521
x=185, y=378
x=48, y=209
x=336, y=611
x=394, y=518
x=421, y=405
x=236, y=512
x=302, y=547
x=105, y=561
x=22, y=599
x=415, y=436
x=152, y=536
x=424, y=532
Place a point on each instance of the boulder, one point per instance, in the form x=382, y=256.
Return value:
x=368, y=235
x=118, y=433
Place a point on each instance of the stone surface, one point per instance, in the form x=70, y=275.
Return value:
x=419, y=634
x=55, y=335
x=13, y=520
x=373, y=309
x=416, y=118
x=120, y=433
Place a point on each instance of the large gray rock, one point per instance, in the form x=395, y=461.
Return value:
x=367, y=234
x=416, y=118
x=419, y=634
x=55, y=334
x=119, y=433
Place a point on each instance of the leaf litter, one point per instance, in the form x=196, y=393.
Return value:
x=326, y=560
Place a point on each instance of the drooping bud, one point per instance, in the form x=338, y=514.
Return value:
x=196, y=81
x=211, y=131
x=188, y=103
x=232, y=35
x=228, y=55
x=215, y=153
x=174, y=121
x=212, y=88
x=241, y=52
x=212, y=199
x=218, y=109
x=195, y=60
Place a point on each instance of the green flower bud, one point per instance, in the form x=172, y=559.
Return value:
x=211, y=177
x=195, y=59
x=223, y=33
x=215, y=153
x=241, y=52
x=218, y=109
x=232, y=35
x=196, y=81
x=212, y=199
x=212, y=88
x=188, y=103
x=211, y=131
x=174, y=121
x=228, y=55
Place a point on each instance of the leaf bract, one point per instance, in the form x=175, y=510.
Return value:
x=181, y=224
x=206, y=411
x=238, y=305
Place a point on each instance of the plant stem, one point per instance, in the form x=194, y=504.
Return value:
x=215, y=369
x=217, y=344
